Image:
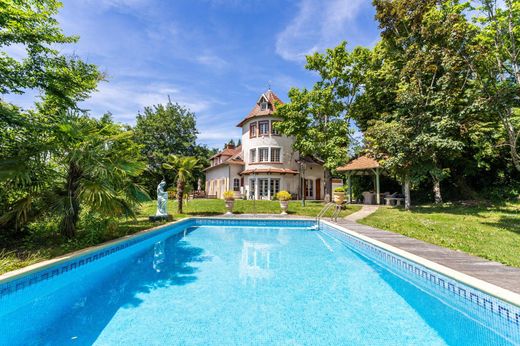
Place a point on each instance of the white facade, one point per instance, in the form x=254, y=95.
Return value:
x=265, y=163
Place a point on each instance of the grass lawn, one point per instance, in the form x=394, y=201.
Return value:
x=489, y=231
x=37, y=248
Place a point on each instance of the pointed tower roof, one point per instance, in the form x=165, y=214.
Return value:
x=272, y=100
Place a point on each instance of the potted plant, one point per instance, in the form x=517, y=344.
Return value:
x=339, y=195
x=229, y=196
x=284, y=197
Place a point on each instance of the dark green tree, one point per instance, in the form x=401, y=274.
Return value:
x=164, y=130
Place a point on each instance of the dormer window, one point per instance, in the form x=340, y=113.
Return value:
x=264, y=106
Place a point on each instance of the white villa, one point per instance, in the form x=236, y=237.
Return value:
x=265, y=163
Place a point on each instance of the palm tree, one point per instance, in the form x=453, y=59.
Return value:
x=90, y=164
x=185, y=167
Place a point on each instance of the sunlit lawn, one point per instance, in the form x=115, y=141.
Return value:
x=492, y=232
x=38, y=248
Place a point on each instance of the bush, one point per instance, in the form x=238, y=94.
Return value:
x=229, y=195
x=283, y=196
x=339, y=189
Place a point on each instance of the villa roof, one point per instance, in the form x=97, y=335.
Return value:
x=271, y=98
x=268, y=171
x=234, y=157
x=361, y=163
x=227, y=152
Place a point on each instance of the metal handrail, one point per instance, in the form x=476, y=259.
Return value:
x=336, y=213
x=322, y=212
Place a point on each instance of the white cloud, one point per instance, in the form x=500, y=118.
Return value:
x=317, y=25
x=114, y=3
x=212, y=61
x=125, y=100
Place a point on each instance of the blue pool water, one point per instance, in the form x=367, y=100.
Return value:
x=221, y=285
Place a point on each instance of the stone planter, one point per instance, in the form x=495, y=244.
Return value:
x=229, y=206
x=284, y=205
x=339, y=197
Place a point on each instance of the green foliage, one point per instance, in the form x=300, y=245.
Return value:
x=73, y=161
x=339, y=189
x=318, y=119
x=164, y=130
x=31, y=24
x=283, y=196
x=184, y=167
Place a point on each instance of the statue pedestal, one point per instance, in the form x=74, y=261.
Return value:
x=156, y=218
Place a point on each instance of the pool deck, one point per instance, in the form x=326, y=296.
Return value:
x=480, y=268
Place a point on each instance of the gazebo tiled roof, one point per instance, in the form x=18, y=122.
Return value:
x=361, y=163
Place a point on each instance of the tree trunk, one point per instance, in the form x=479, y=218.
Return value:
x=180, y=193
x=437, y=190
x=70, y=219
x=407, y=201
x=328, y=185
x=512, y=137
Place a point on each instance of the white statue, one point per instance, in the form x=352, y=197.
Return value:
x=162, y=199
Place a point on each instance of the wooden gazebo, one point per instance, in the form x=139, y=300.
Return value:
x=363, y=165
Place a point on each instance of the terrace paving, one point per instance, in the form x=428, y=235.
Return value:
x=495, y=273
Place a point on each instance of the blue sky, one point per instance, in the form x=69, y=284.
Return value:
x=213, y=56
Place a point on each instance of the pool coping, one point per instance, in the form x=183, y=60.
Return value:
x=19, y=273
x=469, y=280
x=466, y=279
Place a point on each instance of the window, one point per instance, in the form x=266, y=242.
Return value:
x=264, y=106
x=252, y=130
x=263, y=185
x=275, y=155
x=309, y=188
x=273, y=130
x=263, y=154
x=263, y=127
x=236, y=184
x=251, y=188
x=252, y=155
x=275, y=187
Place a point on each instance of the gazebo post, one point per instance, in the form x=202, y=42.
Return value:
x=349, y=182
x=378, y=197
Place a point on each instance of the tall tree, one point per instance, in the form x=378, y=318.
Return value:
x=184, y=168
x=496, y=64
x=319, y=118
x=163, y=130
x=428, y=96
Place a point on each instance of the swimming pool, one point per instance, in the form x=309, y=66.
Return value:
x=225, y=281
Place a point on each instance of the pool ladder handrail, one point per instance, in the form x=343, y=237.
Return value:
x=336, y=212
x=322, y=212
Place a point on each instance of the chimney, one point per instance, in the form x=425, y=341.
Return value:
x=230, y=146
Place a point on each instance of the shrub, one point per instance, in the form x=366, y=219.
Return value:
x=283, y=196
x=339, y=189
x=229, y=195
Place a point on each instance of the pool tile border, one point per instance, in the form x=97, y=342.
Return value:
x=440, y=281
x=480, y=295
x=10, y=284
